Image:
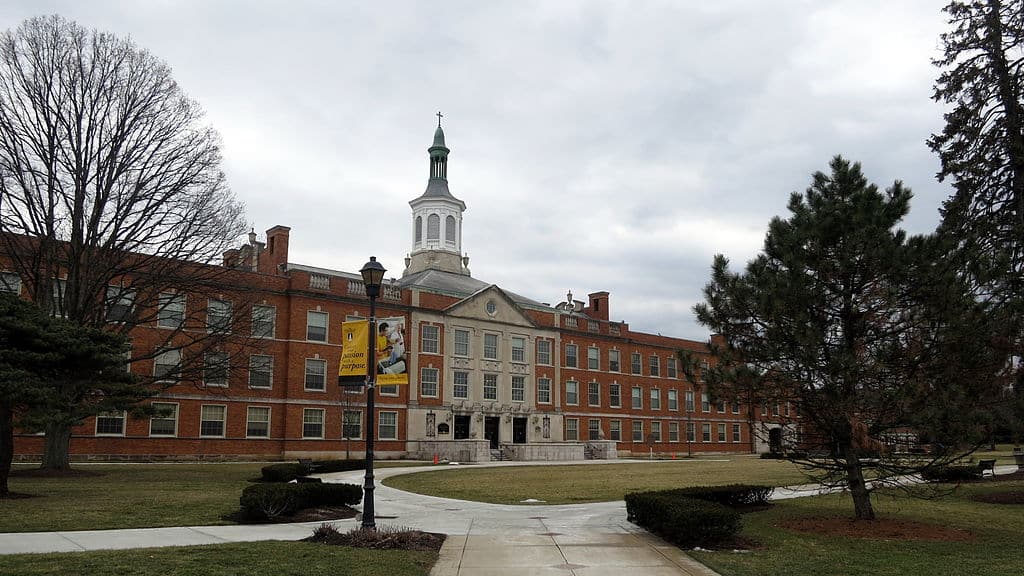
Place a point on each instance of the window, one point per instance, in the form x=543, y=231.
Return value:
x=460, y=385
x=352, y=424
x=10, y=282
x=170, y=310
x=775, y=409
x=721, y=407
x=518, y=349
x=312, y=423
x=387, y=427
x=261, y=371
x=544, y=352
x=433, y=227
x=491, y=346
x=670, y=367
x=119, y=303
x=218, y=315
x=60, y=290
x=544, y=390
x=638, y=431
x=215, y=369
x=655, y=399
x=263, y=321
x=785, y=409
x=673, y=400
x=449, y=229
x=653, y=365
x=419, y=228
x=706, y=432
x=593, y=429
x=735, y=407
x=110, y=424
x=429, y=336
x=655, y=431
x=316, y=326
x=593, y=358
x=316, y=374
x=518, y=388
x=593, y=394
x=570, y=356
x=705, y=406
x=613, y=360
x=165, y=421
x=721, y=432
x=572, y=429
x=689, y=400
x=691, y=435
x=615, y=430
x=257, y=422
x=638, y=399
x=428, y=382
x=673, y=431
x=635, y=363
x=490, y=386
x=461, y=342
x=166, y=366
x=572, y=393
x=735, y=432
x=211, y=420
x=614, y=395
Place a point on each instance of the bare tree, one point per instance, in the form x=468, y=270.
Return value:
x=112, y=199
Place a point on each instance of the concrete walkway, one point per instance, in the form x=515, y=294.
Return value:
x=483, y=539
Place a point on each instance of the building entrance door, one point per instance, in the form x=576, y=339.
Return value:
x=461, y=430
x=775, y=440
x=491, y=426
x=519, y=430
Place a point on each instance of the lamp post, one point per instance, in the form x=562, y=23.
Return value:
x=373, y=276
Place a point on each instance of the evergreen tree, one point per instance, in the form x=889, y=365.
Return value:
x=864, y=334
x=982, y=153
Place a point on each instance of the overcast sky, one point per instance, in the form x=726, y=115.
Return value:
x=597, y=145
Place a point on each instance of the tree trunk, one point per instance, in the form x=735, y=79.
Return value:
x=6, y=447
x=57, y=447
x=858, y=488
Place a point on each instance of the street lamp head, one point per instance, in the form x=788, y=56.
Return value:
x=373, y=276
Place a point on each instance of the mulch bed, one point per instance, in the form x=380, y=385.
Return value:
x=381, y=540
x=321, y=514
x=883, y=529
x=1009, y=497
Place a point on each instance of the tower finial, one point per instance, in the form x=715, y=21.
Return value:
x=439, y=116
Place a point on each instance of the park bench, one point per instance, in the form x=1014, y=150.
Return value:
x=987, y=466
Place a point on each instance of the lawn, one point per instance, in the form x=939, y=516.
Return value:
x=994, y=550
x=248, y=559
x=593, y=483
x=130, y=496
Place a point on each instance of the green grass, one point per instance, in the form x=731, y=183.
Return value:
x=995, y=551
x=248, y=559
x=130, y=496
x=593, y=483
x=1003, y=454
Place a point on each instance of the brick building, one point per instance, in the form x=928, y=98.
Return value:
x=491, y=372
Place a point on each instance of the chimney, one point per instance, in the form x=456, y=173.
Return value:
x=598, y=308
x=231, y=258
x=275, y=254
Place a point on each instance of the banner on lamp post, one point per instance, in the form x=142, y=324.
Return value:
x=392, y=359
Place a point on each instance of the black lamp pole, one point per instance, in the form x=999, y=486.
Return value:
x=373, y=275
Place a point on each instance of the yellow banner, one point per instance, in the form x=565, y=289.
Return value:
x=392, y=359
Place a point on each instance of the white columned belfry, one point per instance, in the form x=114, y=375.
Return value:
x=437, y=219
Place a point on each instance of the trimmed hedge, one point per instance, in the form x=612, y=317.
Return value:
x=283, y=472
x=266, y=501
x=325, y=466
x=957, y=473
x=681, y=520
x=732, y=495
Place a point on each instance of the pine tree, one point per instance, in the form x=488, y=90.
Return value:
x=865, y=334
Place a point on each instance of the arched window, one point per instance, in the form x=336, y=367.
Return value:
x=449, y=229
x=433, y=227
x=419, y=228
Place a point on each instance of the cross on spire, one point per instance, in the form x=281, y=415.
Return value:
x=439, y=116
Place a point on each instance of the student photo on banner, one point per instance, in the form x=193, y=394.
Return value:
x=392, y=359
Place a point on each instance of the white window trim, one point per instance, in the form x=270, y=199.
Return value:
x=305, y=373
x=358, y=413
x=177, y=412
x=327, y=325
x=273, y=321
x=224, y=422
x=271, y=385
x=270, y=415
x=323, y=423
x=437, y=382
x=124, y=424
x=380, y=421
x=175, y=296
x=437, y=339
x=550, y=392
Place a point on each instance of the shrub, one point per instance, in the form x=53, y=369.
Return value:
x=953, y=473
x=681, y=520
x=283, y=472
x=268, y=501
x=772, y=456
x=733, y=495
x=324, y=466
